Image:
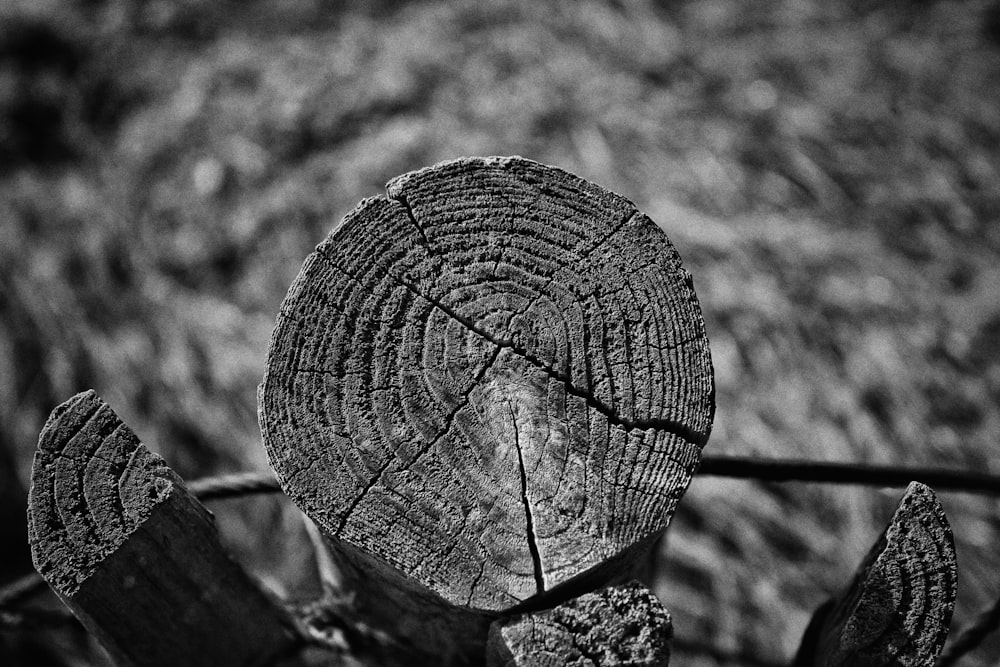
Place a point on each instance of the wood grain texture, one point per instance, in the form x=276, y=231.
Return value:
x=897, y=610
x=136, y=558
x=492, y=380
x=618, y=625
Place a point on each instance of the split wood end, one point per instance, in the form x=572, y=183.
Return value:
x=492, y=380
x=92, y=485
x=898, y=608
x=135, y=556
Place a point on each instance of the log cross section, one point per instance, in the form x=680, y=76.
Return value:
x=489, y=383
x=136, y=557
x=899, y=606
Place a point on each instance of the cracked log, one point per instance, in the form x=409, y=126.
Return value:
x=898, y=608
x=489, y=389
x=618, y=625
x=135, y=556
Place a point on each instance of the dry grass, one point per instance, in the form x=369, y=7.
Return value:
x=830, y=171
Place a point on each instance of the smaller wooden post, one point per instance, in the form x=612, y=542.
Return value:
x=618, y=625
x=899, y=606
x=135, y=556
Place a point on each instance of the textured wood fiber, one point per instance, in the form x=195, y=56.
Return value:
x=619, y=625
x=493, y=380
x=897, y=610
x=136, y=558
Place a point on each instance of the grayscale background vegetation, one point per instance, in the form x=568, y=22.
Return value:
x=828, y=170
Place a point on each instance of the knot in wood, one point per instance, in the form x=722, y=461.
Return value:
x=494, y=380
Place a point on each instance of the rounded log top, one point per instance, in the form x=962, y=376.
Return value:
x=493, y=379
x=92, y=485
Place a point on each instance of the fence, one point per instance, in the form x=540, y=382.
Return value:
x=489, y=391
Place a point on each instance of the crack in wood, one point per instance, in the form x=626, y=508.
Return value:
x=401, y=200
x=449, y=420
x=536, y=558
x=652, y=423
x=607, y=237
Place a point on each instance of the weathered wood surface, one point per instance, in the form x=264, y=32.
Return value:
x=135, y=556
x=618, y=625
x=898, y=608
x=487, y=384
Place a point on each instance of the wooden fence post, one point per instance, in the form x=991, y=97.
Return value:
x=489, y=390
x=898, y=608
x=135, y=556
x=618, y=625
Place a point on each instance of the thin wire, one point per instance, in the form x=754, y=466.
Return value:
x=234, y=485
x=36, y=619
x=959, y=481
x=971, y=636
x=21, y=589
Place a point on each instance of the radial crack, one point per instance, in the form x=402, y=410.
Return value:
x=604, y=239
x=536, y=558
x=654, y=424
x=449, y=420
x=402, y=201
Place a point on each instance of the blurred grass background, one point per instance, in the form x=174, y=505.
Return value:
x=829, y=171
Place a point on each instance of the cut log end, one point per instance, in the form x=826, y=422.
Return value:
x=619, y=625
x=133, y=554
x=898, y=609
x=93, y=484
x=493, y=380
